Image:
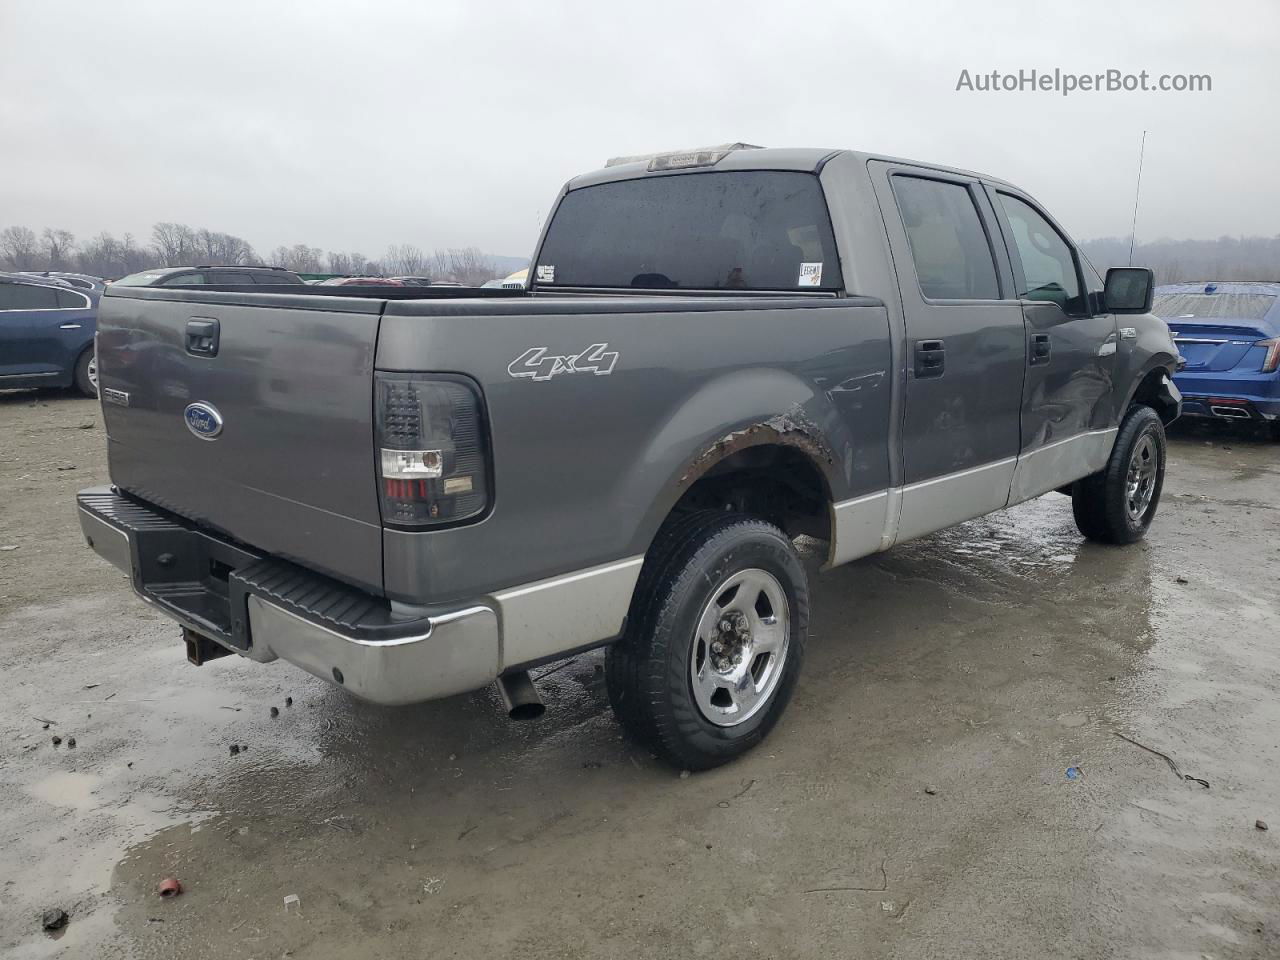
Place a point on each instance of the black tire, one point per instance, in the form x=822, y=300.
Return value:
x=1274, y=428
x=649, y=672
x=1103, y=507
x=83, y=381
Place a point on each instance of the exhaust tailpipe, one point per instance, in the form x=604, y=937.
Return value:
x=1230, y=413
x=520, y=696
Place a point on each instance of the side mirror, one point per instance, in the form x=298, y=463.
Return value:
x=1128, y=290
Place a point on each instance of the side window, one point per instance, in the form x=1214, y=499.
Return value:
x=1048, y=263
x=6, y=296
x=948, y=244
x=23, y=296
x=182, y=280
x=227, y=276
x=269, y=278
x=69, y=299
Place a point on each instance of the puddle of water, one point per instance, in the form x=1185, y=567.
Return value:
x=67, y=789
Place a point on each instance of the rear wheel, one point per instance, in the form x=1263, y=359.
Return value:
x=1117, y=504
x=86, y=373
x=1274, y=427
x=714, y=640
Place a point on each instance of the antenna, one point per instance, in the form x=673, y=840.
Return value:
x=1133, y=232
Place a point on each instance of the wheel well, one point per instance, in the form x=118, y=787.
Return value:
x=1151, y=392
x=776, y=483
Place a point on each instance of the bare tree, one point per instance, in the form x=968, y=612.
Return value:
x=175, y=244
x=404, y=259
x=465, y=265
x=133, y=257
x=18, y=246
x=105, y=256
x=223, y=249
x=352, y=264
x=299, y=258
x=59, y=248
x=1227, y=258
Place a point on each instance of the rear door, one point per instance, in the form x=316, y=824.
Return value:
x=1068, y=403
x=251, y=414
x=964, y=353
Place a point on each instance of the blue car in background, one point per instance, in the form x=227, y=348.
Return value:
x=1229, y=334
x=46, y=334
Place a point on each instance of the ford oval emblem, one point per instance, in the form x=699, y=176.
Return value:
x=204, y=420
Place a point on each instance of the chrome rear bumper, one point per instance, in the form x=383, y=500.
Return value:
x=264, y=609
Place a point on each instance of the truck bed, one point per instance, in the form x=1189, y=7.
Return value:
x=599, y=450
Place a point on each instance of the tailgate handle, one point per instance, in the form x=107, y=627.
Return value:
x=202, y=337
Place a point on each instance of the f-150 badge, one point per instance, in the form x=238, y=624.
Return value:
x=537, y=364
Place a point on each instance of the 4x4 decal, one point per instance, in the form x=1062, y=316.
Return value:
x=535, y=363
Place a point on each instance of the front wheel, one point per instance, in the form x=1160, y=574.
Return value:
x=1117, y=504
x=714, y=640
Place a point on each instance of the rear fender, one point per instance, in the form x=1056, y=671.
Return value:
x=704, y=430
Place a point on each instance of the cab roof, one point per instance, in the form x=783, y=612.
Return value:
x=741, y=156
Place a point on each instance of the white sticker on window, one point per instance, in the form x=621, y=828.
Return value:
x=546, y=273
x=810, y=275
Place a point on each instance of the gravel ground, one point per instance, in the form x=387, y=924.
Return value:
x=914, y=802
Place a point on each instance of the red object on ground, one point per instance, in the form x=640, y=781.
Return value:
x=169, y=887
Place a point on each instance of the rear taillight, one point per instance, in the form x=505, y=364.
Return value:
x=433, y=449
x=1271, y=362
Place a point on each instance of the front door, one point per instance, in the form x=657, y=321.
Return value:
x=1068, y=414
x=964, y=353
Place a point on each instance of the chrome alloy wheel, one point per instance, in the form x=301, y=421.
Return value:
x=1140, y=480
x=740, y=647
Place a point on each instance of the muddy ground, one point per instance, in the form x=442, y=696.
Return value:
x=981, y=664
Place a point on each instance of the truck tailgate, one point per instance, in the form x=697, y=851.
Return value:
x=269, y=437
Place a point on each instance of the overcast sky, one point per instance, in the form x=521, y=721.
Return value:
x=355, y=125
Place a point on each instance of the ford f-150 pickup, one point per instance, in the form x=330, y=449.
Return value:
x=414, y=492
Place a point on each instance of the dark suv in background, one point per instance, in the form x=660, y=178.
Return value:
x=199, y=276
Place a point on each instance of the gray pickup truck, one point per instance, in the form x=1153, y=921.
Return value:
x=412, y=493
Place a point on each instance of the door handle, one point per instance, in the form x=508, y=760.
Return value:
x=1041, y=349
x=931, y=359
x=202, y=337
x=68, y=326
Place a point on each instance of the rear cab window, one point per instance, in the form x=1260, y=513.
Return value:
x=765, y=230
